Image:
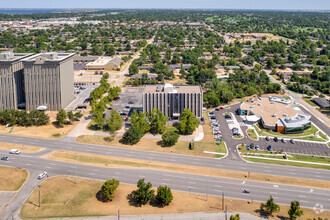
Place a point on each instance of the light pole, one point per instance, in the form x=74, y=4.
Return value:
x=39, y=194
x=77, y=167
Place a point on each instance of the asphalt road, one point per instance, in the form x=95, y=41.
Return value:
x=206, y=185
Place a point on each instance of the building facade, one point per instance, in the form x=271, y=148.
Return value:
x=172, y=100
x=11, y=80
x=48, y=81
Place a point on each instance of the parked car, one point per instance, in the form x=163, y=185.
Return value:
x=227, y=116
x=42, y=175
x=267, y=138
x=5, y=158
x=246, y=191
x=275, y=139
x=248, y=147
x=117, y=98
x=221, y=107
x=217, y=109
x=123, y=113
x=130, y=102
x=14, y=151
x=292, y=141
x=269, y=147
x=283, y=140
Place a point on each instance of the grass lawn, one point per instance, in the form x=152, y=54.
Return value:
x=309, y=101
x=252, y=134
x=11, y=179
x=181, y=147
x=50, y=131
x=61, y=197
x=287, y=163
x=22, y=148
x=106, y=161
x=322, y=135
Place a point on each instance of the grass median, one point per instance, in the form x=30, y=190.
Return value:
x=181, y=147
x=22, y=148
x=252, y=134
x=107, y=161
x=11, y=179
x=61, y=197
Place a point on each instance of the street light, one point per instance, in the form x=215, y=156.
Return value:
x=77, y=167
x=39, y=194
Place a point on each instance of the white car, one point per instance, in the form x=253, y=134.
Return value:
x=42, y=175
x=14, y=151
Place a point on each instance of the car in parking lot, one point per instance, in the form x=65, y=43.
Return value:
x=275, y=139
x=42, y=175
x=292, y=141
x=117, y=98
x=5, y=158
x=221, y=107
x=257, y=147
x=246, y=191
x=248, y=147
x=217, y=109
x=269, y=148
x=130, y=102
x=123, y=114
x=283, y=140
x=228, y=116
x=267, y=138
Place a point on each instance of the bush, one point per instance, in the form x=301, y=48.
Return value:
x=133, y=135
x=107, y=192
x=144, y=193
x=170, y=137
x=164, y=195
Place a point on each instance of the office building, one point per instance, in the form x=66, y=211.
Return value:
x=172, y=100
x=48, y=81
x=11, y=80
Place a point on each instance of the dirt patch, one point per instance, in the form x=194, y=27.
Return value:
x=11, y=179
x=61, y=197
x=106, y=161
x=22, y=148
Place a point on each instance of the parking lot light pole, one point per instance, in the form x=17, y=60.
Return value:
x=77, y=167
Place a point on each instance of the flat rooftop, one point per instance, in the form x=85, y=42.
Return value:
x=48, y=57
x=169, y=88
x=12, y=57
x=271, y=111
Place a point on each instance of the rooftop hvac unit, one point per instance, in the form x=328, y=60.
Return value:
x=274, y=115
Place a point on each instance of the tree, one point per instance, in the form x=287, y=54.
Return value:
x=170, y=137
x=133, y=135
x=164, y=195
x=188, y=122
x=133, y=69
x=235, y=217
x=61, y=117
x=270, y=206
x=139, y=120
x=114, y=123
x=295, y=210
x=270, y=63
x=144, y=193
x=70, y=115
x=107, y=192
x=157, y=121
x=78, y=114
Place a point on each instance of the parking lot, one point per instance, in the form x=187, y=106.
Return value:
x=82, y=92
x=299, y=147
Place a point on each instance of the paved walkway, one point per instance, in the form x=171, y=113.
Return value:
x=183, y=216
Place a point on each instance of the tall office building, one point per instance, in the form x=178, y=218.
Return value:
x=48, y=81
x=172, y=100
x=11, y=80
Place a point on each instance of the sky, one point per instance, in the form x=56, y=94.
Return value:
x=191, y=4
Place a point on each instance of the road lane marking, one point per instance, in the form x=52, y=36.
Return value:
x=302, y=196
x=92, y=174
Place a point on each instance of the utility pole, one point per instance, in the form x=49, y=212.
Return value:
x=77, y=167
x=223, y=200
x=118, y=214
x=39, y=195
x=226, y=213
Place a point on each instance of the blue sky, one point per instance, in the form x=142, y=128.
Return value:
x=222, y=4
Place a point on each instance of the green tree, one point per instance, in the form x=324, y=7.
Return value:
x=107, y=192
x=61, y=117
x=235, y=217
x=133, y=135
x=157, y=121
x=133, y=69
x=78, y=114
x=144, y=193
x=270, y=206
x=188, y=122
x=270, y=63
x=170, y=137
x=139, y=120
x=114, y=123
x=70, y=115
x=164, y=195
x=295, y=210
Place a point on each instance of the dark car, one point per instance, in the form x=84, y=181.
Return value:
x=275, y=139
x=5, y=158
x=283, y=140
x=269, y=147
x=246, y=191
x=130, y=102
x=123, y=113
x=292, y=141
x=227, y=116
x=117, y=98
x=267, y=138
x=217, y=109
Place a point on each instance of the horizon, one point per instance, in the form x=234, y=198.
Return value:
x=322, y=5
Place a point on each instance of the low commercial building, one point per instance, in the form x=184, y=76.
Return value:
x=104, y=63
x=48, y=81
x=11, y=80
x=275, y=113
x=322, y=102
x=172, y=99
